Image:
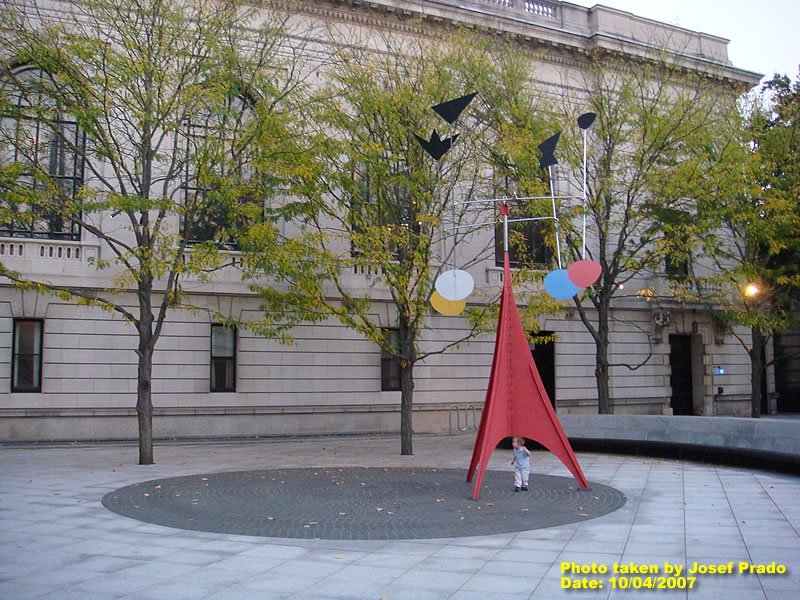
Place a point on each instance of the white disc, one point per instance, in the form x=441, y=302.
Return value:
x=455, y=285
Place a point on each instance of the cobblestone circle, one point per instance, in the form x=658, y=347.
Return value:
x=360, y=503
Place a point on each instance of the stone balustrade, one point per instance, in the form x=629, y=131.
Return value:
x=47, y=249
x=534, y=8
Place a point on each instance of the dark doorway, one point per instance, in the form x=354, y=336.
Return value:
x=680, y=362
x=764, y=397
x=787, y=370
x=544, y=355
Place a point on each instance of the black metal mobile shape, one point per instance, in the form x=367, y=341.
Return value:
x=548, y=148
x=586, y=119
x=451, y=109
x=436, y=146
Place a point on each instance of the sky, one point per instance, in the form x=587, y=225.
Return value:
x=764, y=34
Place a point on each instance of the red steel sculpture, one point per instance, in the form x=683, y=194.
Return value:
x=516, y=401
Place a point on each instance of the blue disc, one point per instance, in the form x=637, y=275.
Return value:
x=558, y=285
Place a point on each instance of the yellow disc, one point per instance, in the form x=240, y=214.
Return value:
x=449, y=308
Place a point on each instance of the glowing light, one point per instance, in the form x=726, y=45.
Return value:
x=751, y=289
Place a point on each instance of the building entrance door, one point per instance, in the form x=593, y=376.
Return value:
x=787, y=370
x=680, y=379
x=544, y=355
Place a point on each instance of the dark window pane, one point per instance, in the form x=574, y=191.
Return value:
x=526, y=245
x=26, y=375
x=222, y=375
x=677, y=267
x=390, y=364
x=27, y=356
x=28, y=337
x=390, y=375
x=223, y=358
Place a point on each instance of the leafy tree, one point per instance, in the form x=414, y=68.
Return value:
x=181, y=114
x=383, y=222
x=654, y=127
x=756, y=249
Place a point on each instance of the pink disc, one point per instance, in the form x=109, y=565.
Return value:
x=584, y=273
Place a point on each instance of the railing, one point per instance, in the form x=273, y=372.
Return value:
x=530, y=7
x=368, y=270
x=457, y=411
x=494, y=275
x=47, y=249
x=59, y=252
x=688, y=290
x=12, y=249
x=541, y=9
x=230, y=258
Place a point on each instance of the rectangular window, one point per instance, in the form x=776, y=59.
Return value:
x=676, y=268
x=26, y=358
x=526, y=240
x=676, y=261
x=390, y=364
x=378, y=205
x=526, y=244
x=209, y=214
x=223, y=358
x=47, y=150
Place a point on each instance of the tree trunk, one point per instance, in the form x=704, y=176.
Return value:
x=756, y=372
x=144, y=388
x=406, y=407
x=144, y=407
x=406, y=337
x=601, y=370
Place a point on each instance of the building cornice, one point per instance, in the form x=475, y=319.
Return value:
x=575, y=30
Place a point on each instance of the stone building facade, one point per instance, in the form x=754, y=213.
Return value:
x=81, y=377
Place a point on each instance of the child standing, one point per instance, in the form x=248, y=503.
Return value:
x=521, y=462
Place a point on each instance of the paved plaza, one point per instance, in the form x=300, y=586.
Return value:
x=60, y=542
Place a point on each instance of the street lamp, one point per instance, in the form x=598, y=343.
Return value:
x=751, y=290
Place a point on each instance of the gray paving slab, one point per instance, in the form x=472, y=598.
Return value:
x=58, y=541
x=400, y=591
